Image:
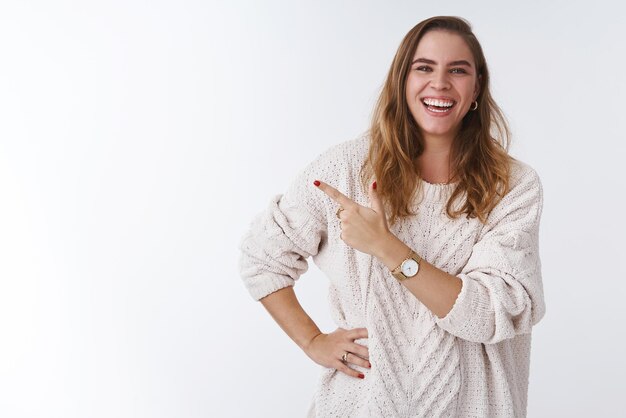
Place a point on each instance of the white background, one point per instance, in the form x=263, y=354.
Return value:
x=139, y=138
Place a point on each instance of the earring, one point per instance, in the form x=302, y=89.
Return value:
x=474, y=105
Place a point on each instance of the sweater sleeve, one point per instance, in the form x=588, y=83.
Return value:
x=502, y=292
x=280, y=239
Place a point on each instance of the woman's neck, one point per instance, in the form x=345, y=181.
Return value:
x=434, y=164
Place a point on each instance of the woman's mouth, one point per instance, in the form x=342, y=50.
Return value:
x=438, y=106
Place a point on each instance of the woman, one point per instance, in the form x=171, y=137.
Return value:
x=428, y=232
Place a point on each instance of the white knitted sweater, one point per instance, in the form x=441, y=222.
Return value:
x=472, y=363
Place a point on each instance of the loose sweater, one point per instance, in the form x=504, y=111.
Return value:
x=474, y=362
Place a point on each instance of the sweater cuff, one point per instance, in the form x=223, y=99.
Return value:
x=265, y=284
x=463, y=308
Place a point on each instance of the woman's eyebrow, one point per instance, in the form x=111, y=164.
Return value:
x=460, y=62
x=450, y=64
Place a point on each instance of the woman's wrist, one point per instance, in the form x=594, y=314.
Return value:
x=392, y=251
x=305, y=345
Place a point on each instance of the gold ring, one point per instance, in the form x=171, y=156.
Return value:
x=344, y=357
x=339, y=211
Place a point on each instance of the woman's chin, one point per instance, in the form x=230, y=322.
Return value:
x=438, y=133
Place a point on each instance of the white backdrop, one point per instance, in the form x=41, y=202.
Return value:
x=139, y=138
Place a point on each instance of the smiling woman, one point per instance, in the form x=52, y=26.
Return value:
x=442, y=85
x=428, y=232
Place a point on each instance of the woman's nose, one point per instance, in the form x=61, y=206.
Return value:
x=440, y=80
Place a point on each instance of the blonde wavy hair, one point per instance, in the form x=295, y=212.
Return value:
x=479, y=153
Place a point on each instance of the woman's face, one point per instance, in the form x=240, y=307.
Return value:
x=441, y=85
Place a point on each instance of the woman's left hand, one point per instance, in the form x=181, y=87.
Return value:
x=362, y=228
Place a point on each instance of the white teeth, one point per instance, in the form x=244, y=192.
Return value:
x=438, y=103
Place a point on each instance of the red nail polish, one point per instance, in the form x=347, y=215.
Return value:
x=317, y=183
x=361, y=376
x=369, y=365
x=374, y=186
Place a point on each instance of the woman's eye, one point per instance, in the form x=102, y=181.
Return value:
x=458, y=71
x=424, y=68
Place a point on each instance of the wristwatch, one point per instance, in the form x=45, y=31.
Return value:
x=408, y=268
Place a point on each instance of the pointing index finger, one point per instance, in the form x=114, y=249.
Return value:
x=334, y=194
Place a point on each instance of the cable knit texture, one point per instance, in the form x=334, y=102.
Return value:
x=472, y=363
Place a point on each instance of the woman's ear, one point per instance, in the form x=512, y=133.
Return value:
x=477, y=86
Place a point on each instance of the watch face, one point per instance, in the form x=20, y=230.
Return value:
x=410, y=268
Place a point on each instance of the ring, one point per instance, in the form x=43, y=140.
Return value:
x=344, y=357
x=339, y=211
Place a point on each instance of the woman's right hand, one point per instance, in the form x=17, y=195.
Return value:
x=327, y=349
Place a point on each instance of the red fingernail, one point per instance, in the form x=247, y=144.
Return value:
x=361, y=376
x=369, y=365
x=316, y=182
x=374, y=186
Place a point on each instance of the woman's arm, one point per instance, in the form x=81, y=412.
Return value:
x=435, y=288
x=284, y=307
x=499, y=293
x=274, y=254
x=324, y=349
